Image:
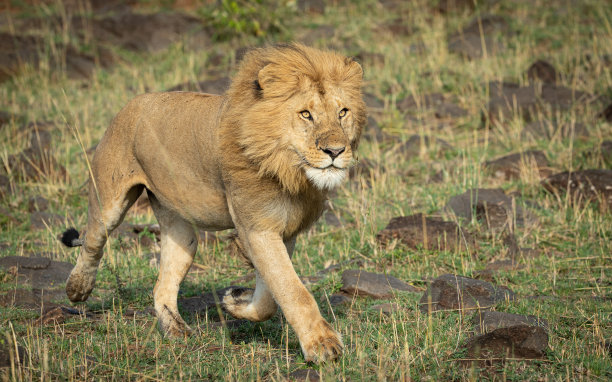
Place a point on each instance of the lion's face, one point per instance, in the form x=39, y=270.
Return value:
x=323, y=133
x=303, y=116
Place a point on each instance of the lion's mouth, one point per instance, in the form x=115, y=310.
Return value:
x=326, y=178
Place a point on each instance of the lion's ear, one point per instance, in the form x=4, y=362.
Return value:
x=353, y=67
x=265, y=76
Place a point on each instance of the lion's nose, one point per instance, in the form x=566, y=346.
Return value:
x=333, y=152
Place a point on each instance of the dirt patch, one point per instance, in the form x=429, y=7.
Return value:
x=37, y=272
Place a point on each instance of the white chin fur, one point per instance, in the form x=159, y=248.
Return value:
x=326, y=179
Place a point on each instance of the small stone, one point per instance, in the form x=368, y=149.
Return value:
x=473, y=46
x=387, y=309
x=375, y=285
x=553, y=130
x=542, y=71
x=416, y=145
x=418, y=231
x=338, y=299
x=304, y=375
x=453, y=292
x=513, y=165
x=312, y=6
x=508, y=335
x=41, y=220
x=38, y=203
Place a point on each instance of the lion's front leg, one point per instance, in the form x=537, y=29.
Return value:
x=319, y=341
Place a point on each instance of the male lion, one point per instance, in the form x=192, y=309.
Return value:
x=259, y=159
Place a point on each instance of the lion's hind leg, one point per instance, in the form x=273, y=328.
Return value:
x=106, y=211
x=178, y=247
x=249, y=304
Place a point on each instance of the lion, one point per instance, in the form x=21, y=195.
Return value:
x=260, y=159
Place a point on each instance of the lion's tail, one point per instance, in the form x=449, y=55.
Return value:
x=70, y=238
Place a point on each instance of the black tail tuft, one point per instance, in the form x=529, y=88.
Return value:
x=70, y=238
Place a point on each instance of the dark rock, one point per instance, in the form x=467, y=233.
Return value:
x=399, y=27
x=606, y=114
x=40, y=141
x=449, y=110
x=373, y=132
x=304, y=375
x=207, y=237
x=473, y=46
x=508, y=335
x=387, y=309
x=418, y=231
x=488, y=321
x=487, y=23
x=421, y=144
x=542, y=71
x=375, y=285
x=5, y=186
x=41, y=220
x=423, y=101
x=38, y=272
x=606, y=153
x=552, y=130
x=137, y=233
x=38, y=203
x=31, y=164
x=511, y=166
x=311, y=6
x=214, y=86
x=507, y=101
x=489, y=205
x=449, y=6
x=339, y=299
x=8, y=356
x=364, y=168
x=452, y=292
x=583, y=185
x=372, y=101
x=17, y=51
x=145, y=32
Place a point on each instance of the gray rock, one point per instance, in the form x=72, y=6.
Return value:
x=418, y=231
x=553, y=130
x=375, y=285
x=417, y=144
x=508, y=335
x=489, y=205
x=387, y=309
x=452, y=292
x=510, y=166
x=473, y=46
x=38, y=203
x=339, y=299
x=41, y=220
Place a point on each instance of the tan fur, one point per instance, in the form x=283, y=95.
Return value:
x=253, y=160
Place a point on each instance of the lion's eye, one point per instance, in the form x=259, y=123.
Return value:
x=343, y=113
x=305, y=114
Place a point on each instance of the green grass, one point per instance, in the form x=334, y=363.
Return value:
x=570, y=274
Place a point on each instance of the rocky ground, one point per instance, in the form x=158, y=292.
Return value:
x=472, y=240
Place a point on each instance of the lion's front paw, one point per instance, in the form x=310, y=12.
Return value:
x=171, y=324
x=322, y=343
x=79, y=285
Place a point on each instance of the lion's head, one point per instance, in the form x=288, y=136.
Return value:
x=297, y=113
